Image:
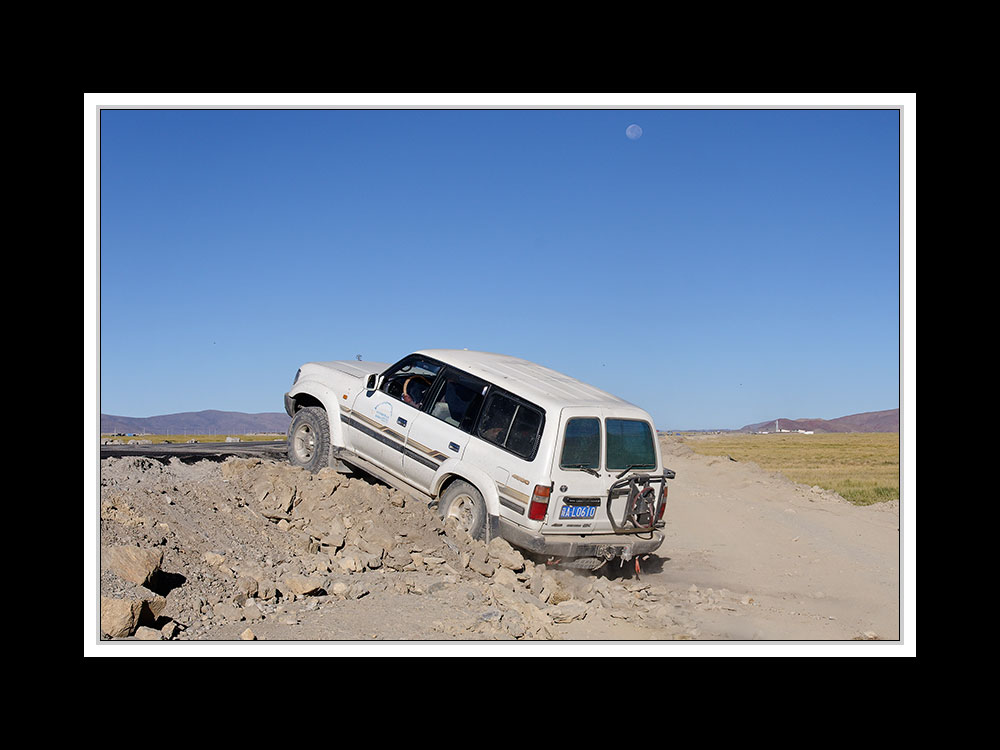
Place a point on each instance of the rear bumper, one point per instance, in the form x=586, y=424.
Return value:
x=607, y=546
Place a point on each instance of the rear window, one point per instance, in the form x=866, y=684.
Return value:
x=582, y=444
x=511, y=424
x=630, y=444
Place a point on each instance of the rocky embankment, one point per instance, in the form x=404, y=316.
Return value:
x=259, y=550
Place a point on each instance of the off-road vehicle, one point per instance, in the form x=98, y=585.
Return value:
x=506, y=447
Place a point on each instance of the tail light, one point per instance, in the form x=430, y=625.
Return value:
x=663, y=504
x=539, y=502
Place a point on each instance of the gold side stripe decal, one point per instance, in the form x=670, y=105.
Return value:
x=387, y=430
x=377, y=425
x=410, y=442
x=513, y=494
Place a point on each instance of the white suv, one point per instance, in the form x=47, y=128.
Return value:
x=506, y=447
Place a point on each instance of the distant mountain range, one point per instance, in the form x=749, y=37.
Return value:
x=209, y=422
x=869, y=421
x=212, y=422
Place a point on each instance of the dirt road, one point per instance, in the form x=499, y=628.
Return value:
x=802, y=564
x=255, y=549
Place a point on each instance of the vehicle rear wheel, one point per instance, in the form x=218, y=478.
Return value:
x=464, y=503
x=309, y=439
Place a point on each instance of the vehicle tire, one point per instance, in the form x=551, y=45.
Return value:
x=465, y=504
x=309, y=439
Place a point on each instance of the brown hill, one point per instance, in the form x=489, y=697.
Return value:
x=209, y=422
x=869, y=421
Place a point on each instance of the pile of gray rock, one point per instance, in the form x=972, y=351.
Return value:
x=195, y=551
x=128, y=606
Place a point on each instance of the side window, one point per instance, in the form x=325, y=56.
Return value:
x=513, y=425
x=524, y=430
x=459, y=400
x=497, y=419
x=410, y=381
x=582, y=444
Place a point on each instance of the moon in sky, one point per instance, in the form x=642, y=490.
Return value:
x=634, y=132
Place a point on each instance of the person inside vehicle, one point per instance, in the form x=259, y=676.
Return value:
x=415, y=390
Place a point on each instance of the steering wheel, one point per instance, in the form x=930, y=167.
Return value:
x=406, y=396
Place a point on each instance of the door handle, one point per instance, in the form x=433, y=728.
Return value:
x=401, y=422
x=454, y=446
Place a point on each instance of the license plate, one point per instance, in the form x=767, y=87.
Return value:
x=577, y=511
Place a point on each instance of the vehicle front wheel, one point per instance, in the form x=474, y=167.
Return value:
x=309, y=439
x=464, y=503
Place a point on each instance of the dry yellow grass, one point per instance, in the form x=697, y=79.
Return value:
x=155, y=439
x=862, y=467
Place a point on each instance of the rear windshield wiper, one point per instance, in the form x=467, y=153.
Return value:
x=629, y=468
x=583, y=467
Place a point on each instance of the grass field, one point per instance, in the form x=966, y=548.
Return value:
x=861, y=467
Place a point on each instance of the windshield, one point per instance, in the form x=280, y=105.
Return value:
x=629, y=445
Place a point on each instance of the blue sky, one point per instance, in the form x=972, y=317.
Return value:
x=727, y=267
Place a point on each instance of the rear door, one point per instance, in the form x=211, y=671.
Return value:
x=629, y=449
x=579, y=480
x=594, y=445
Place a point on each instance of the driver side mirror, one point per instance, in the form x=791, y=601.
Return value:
x=373, y=382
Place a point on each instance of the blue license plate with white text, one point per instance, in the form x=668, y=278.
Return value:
x=577, y=511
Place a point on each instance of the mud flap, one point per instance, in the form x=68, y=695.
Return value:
x=341, y=467
x=492, y=528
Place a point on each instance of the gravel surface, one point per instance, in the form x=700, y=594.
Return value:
x=252, y=549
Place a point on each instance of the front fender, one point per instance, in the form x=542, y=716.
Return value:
x=330, y=400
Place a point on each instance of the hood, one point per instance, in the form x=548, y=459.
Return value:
x=355, y=368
